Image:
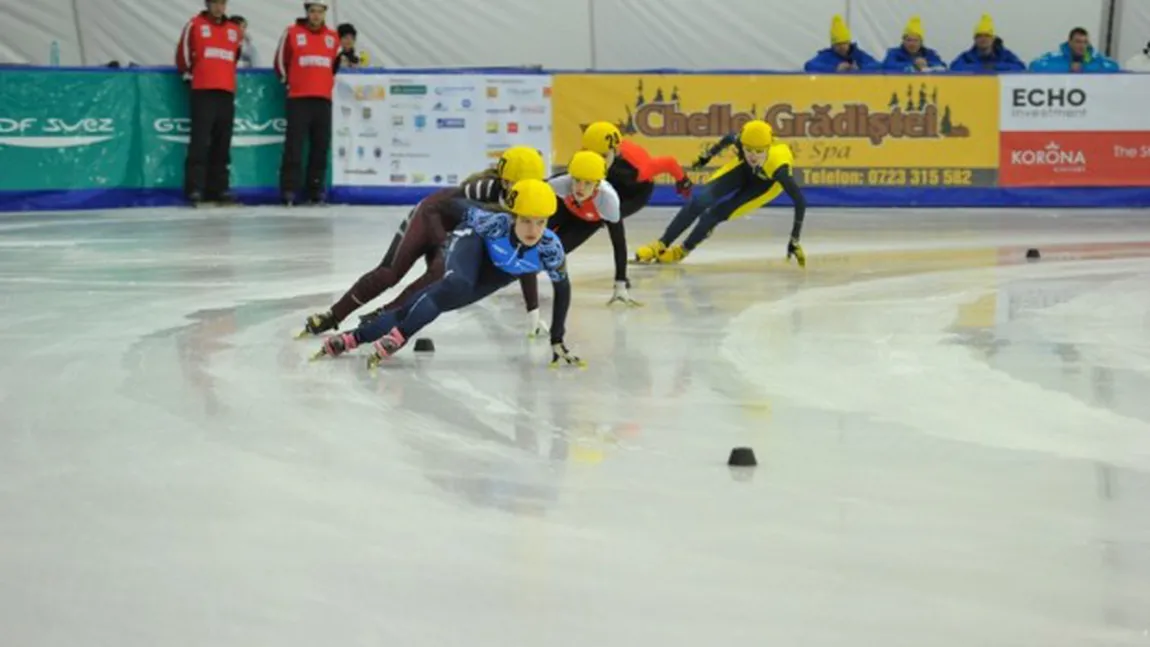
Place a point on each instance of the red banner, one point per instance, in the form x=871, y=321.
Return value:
x=1074, y=159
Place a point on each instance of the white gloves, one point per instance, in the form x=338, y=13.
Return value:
x=535, y=326
x=560, y=354
x=622, y=296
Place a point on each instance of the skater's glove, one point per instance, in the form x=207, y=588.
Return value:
x=536, y=326
x=683, y=187
x=187, y=77
x=622, y=296
x=560, y=353
x=700, y=162
x=794, y=249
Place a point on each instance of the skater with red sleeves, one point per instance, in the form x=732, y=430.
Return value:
x=630, y=168
x=423, y=235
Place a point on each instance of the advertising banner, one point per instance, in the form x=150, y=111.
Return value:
x=68, y=130
x=165, y=126
x=1075, y=130
x=117, y=130
x=889, y=131
x=433, y=129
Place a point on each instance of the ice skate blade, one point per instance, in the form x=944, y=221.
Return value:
x=556, y=365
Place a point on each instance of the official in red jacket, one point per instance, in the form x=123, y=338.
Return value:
x=206, y=56
x=306, y=61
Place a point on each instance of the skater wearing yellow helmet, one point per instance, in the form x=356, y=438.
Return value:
x=489, y=250
x=423, y=235
x=630, y=168
x=489, y=187
x=587, y=203
x=761, y=170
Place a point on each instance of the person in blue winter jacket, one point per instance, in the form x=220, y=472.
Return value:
x=843, y=55
x=1075, y=55
x=989, y=54
x=913, y=55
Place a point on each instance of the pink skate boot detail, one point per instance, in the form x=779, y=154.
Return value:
x=386, y=347
x=337, y=345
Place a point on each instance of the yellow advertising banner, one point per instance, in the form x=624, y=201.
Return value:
x=873, y=130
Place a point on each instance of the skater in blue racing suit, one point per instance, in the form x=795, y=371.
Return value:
x=487, y=252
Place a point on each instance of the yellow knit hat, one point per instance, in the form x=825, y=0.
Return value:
x=914, y=28
x=840, y=33
x=984, y=26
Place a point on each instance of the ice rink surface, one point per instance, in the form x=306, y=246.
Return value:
x=954, y=444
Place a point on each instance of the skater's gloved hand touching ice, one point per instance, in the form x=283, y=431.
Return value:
x=562, y=289
x=560, y=352
x=536, y=327
x=621, y=295
x=795, y=250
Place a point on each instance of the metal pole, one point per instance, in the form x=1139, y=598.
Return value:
x=591, y=24
x=1111, y=42
x=79, y=31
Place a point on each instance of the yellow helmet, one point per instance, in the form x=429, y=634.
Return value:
x=532, y=199
x=601, y=137
x=756, y=134
x=520, y=163
x=587, y=166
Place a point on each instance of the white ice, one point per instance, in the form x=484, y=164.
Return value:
x=954, y=444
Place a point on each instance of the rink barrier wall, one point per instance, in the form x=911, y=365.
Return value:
x=664, y=196
x=76, y=138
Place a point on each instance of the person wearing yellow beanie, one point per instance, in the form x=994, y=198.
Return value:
x=843, y=55
x=913, y=55
x=988, y=54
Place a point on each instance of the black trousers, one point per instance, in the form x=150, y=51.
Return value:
x=308, y=119
x=636, y=198
x=210, y=148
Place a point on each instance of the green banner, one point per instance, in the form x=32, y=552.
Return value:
x=165, y=124
x=64, y=130
x=67, y=130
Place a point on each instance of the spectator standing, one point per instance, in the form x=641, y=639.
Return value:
x=247, y=49
x=349, y=56
x=206, y=57
x=843, y=55
x=1140, y=62
x=1075, y=55
x=989, y=53
x=913, y=55
x=306, y=62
